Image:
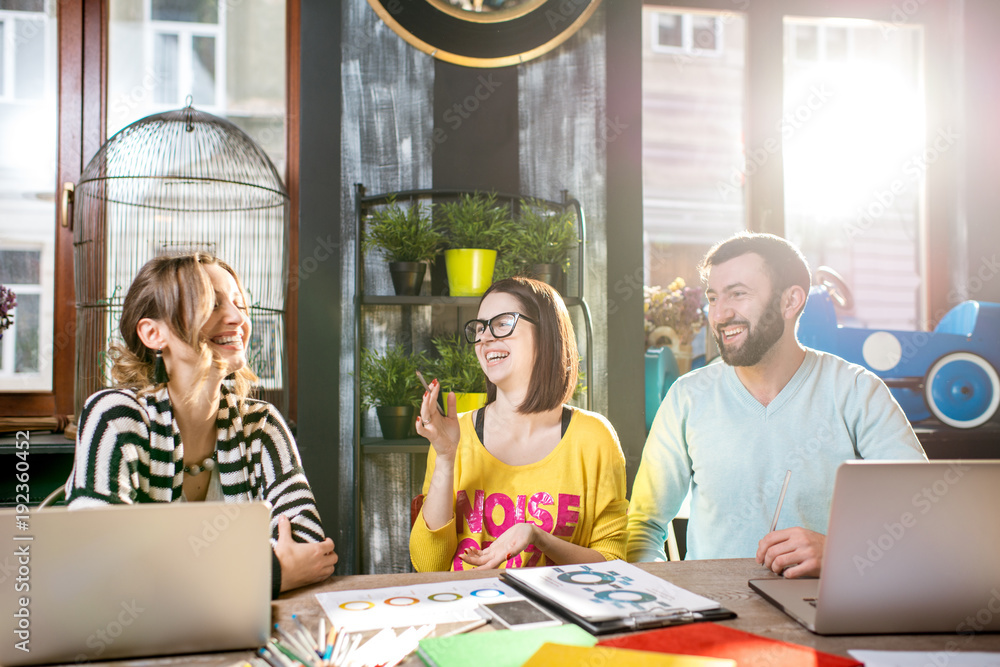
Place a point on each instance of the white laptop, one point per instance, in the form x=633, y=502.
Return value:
x=911, y=547
x=136, y=580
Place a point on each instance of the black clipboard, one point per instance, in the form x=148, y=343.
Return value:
x=645, y=620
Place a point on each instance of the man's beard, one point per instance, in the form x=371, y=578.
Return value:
x=760, y=337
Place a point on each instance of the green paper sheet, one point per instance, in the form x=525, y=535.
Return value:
x=498, y=648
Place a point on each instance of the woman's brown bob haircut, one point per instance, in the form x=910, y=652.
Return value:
x=553, y=378
x=176, y=290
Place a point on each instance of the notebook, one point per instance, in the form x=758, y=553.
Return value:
x=499, y=648
x=911, y=547
x=557, y=654
x=612, y=596
x=720, y=641
x=135, y=580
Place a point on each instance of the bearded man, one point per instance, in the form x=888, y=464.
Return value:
x=731, y=431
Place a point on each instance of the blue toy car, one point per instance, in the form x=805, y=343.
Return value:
x=950, y=372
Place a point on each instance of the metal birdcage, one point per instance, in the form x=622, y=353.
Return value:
x=175, y=182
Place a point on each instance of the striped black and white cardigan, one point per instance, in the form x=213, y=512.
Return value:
x=128, y=450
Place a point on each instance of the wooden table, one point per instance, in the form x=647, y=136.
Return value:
x=722, y=580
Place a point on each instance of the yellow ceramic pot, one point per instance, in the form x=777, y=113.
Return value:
x=465, y=402
x=470, y=271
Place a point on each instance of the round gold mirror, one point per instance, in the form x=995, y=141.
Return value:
x=486, y=10
x=485, y=33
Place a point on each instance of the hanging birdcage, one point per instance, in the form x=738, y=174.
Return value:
x=170, y=183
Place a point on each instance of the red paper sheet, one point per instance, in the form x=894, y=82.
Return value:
x=718, y=641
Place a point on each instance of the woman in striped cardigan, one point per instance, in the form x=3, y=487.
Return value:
x=172, y=431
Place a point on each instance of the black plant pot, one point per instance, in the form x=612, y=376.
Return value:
x=550, y=274
x=395, y=421
x=407, y=277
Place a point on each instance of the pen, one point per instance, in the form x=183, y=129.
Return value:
x=303, y=634
x=466, y=628
x=420, y=376
x=265, y=654
x=281, y=654
x=292, y=641
x=288, y=652
x=781, y=499
x=347, y=648
x=335, y=654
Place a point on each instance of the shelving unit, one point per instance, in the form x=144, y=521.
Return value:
x=441, y=303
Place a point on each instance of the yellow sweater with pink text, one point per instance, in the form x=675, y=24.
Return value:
x=576, y=493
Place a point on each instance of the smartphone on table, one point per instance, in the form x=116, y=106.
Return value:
x=519, y=614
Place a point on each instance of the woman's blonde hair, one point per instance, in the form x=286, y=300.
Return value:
x=176, y=290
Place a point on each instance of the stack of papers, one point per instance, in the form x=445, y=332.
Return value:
x=406, y=606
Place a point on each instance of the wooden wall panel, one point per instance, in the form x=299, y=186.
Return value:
x=563, y=135
x=386, y=130
x=564, y=132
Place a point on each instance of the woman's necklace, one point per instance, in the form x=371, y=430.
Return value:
x=199, y=468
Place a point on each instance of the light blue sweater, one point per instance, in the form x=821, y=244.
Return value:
x=712, y=433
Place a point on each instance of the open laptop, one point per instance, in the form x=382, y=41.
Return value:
x=136, y=580
x=911, y=547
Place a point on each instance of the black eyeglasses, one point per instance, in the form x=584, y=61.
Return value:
x=501, y=326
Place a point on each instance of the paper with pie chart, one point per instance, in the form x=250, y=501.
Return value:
x=405, y=606
x=605, y=591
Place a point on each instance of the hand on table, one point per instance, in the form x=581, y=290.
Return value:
x=516, y=539
x=792, y=552
x=302, y=563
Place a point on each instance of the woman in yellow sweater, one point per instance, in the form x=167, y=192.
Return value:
x=526, y=480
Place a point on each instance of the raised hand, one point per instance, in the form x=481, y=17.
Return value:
x=443, y=432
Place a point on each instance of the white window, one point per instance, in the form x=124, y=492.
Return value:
x=28, y=128
x=265, y=350
x=185, y=47
x=24, y=34
x=811, y=42
x=695, y=34
x=229, y=56
x=23, y=360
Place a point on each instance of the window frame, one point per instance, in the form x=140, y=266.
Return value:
x=687, y=46
x=822, y=36
x=764, y=108
x=186, y=31
x=75, y=28
x=82, y=32
x=8, y=343
x=8, y=52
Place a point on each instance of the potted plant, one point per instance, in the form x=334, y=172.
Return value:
x=8, y=301
x=476, y=226
x=673, y=317
x=389, y=382
x=458, y=370
x=543, y=241
x=408, y=239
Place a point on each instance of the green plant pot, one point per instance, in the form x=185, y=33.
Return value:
x=395, y=421
x=550, y=274
x=470, y=271
x=407, y=277
x=465, y=402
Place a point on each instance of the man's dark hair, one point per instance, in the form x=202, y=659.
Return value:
x=785, y=263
